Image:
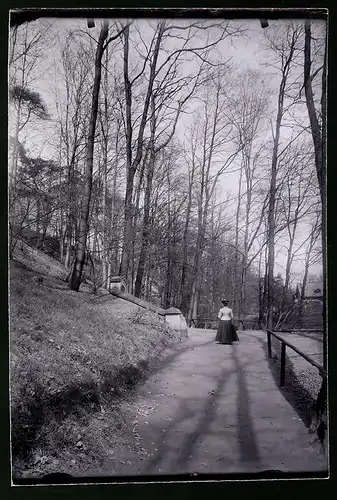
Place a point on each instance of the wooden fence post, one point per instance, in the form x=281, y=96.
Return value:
x=283, y=364
x=269, y=344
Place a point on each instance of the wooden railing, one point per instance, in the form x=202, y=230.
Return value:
x=194, y=321
x=204, y=321
x=284, y=345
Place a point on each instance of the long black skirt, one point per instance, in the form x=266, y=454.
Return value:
x=226, y=333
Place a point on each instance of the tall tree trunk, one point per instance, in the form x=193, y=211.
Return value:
x=146, y=226
x=105, y=130
x=287, y=274
x=289, y=262
x=61, y=239
x=286, y=64
x=70, y=215
x=71, y=212
x=113, y=221
x=168, y=283
x=319, y=140
x=305, y=275
x=113, y=235
x=38, y=217
x=183, y=305
x=168, y=277
x=236, y=255
x=132, y=164
x=324, y=202
x=248, y=175
x=85, y=205
x=137, y=282
x=203, y=203
x=309, y=96
x=242, y=304
x=183, y=301
x=260, y=292
x=193, y=309
x=265, y=286
x=124, y=267
x=271, y=211
x=61, y=229
x=271, y=225
x=68, y=253
x=15, y=156
x=128, y=226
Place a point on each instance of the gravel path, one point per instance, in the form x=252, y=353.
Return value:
x=214, y=409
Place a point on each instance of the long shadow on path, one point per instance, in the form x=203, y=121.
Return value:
x=205, y=421
x=248, y=449
x=185, y=412
x=246, y=436
x=160, y=364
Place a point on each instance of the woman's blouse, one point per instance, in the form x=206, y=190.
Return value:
x=225, y=314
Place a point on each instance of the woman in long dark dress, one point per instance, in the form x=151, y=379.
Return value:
x=226, y=333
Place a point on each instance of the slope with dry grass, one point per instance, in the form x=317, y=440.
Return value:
x=73, y=354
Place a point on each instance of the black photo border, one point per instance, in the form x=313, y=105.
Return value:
x=158, y=486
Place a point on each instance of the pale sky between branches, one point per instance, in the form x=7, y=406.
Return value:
x=245, y=52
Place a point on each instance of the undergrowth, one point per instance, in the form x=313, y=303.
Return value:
x=71, y=360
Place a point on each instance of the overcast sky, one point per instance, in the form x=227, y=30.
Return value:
x=245, y=52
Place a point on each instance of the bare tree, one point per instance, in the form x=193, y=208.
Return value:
x=85, y=204
x=72, y=112
x=286, y=50
x=215, y=133
x=315, y=126
x=250, y=108
x=159, y=140
x=319, y=139
x=318, y=133
x=161, y=72
x=184, y=268
x=27, y=49
x=132, y=163
x=310, y=257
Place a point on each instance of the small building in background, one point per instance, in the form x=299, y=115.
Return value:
x=314, y=290
x=118, y=283
x=311, y=311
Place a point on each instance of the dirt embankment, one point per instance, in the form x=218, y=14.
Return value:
x=73, y=355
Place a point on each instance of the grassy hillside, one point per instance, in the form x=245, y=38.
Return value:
x=72, y=356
